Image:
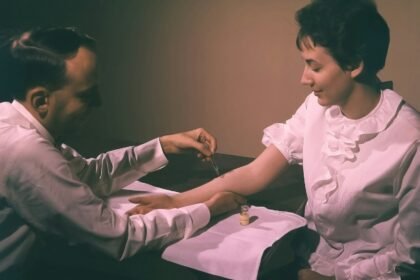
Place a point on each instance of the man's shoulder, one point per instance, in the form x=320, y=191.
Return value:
x=22, y=143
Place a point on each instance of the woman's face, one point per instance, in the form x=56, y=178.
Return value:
x=329, y=82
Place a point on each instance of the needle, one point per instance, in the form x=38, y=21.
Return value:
x=214, y=165
x=212, y=161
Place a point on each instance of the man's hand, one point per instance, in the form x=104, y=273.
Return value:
x=223, y=202
x=218, y=204
x=307, y=274
x=151, y=202
x=197, y=139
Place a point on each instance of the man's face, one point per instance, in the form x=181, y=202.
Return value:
x=71, y=104
x=330, y=83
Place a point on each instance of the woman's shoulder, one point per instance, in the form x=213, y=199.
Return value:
x=406, y=114
x=406, y=120
x=410, y=115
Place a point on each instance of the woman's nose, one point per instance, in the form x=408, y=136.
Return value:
x=306, y=78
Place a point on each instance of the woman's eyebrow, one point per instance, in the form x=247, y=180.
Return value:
x=311, y=62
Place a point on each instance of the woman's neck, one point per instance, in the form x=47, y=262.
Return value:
x=361, y=101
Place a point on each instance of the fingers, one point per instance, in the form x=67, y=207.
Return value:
x=138, y=199
x=197, y=139
x=207, y=144
x=206, y=138
x=223, y=202
x=202, y=148
x=138, y=210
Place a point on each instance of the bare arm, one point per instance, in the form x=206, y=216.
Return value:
x=245, y=180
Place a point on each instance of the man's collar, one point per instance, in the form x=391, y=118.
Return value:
x=38, y=126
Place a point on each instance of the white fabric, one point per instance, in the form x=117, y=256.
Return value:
x=49, y=189
x=224, y=247
x=231, y=250
x=119, y=201
x=362, y=179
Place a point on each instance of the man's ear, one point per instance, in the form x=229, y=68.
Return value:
x=38, y=98
x=357, y=69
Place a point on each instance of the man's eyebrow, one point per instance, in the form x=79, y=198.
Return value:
x=91, y=89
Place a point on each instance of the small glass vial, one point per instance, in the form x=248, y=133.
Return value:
x=244, y=215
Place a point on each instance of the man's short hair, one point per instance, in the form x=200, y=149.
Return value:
x=352, y=31
x=38, y=58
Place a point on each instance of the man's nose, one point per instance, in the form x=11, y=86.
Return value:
x=95, y=100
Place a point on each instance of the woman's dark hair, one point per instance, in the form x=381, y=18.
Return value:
x=37, y=58
x=352, y=31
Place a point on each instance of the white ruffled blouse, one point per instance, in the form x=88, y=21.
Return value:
x=362, y=180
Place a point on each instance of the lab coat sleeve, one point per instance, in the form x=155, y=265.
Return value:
x=47, y=195
x=113, y=170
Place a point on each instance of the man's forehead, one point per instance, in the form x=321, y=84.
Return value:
x=82, y=66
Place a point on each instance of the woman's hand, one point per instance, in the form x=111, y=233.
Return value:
x=198, y=139
x=307, y=274
x=223, y=202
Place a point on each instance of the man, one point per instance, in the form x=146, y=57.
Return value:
x=46, y=187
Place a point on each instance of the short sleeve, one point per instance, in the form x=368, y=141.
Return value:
x=288, y=137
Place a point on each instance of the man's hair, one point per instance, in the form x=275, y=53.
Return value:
x=352, y=31
x=38, y=58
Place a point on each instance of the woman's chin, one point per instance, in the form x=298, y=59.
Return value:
x=323, y=102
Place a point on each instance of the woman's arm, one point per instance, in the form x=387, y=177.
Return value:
x=245, y=180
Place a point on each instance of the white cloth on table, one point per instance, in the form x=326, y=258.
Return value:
x=224, y=247
x=231, y=250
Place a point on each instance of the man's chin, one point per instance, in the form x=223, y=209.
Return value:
x=69, y=136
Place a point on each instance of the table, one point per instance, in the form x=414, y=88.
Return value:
x=287, y=193
x=182, y=173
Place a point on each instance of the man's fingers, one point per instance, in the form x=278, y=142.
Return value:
x=208, y=140
x=138, y=210
x=138, y=199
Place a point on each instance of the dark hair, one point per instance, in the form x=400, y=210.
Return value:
x=37, y=58
x=352, y=31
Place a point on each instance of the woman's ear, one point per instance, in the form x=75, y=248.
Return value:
x=38, y=98
x=357, y=70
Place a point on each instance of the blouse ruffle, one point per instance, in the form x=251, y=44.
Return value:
x=343, y=137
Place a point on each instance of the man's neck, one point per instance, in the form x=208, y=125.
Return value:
x=34, y=118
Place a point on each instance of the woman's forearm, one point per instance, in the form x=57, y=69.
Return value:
x=245, y=180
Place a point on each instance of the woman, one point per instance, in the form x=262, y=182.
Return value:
x=358, y=146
